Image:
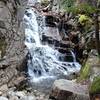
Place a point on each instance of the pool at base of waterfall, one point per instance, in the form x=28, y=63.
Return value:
x=45, y=64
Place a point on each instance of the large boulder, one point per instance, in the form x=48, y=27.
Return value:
x=91, y=69
x=12, y=30
x=69, y=90
x=90, y=75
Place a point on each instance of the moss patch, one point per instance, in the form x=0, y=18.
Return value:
x=85, y=72
x=95, y=86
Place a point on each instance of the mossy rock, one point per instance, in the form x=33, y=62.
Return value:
x=87, y=69
x=95, y=86
x=84, y=73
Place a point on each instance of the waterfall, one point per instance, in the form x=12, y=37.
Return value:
x=44, y=62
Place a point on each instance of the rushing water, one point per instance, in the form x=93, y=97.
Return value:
x=44, y=63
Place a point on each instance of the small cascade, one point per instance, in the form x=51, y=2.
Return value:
x=44, y=63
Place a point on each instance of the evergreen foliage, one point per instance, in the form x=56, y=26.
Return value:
x=71, y=6
x=67, y=3
x=83, y=8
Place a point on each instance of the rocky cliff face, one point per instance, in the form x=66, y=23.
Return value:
x=12, y=33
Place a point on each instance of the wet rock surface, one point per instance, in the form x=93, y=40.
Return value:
x=52, y=37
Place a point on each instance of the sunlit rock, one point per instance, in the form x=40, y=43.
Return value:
x=67, y=90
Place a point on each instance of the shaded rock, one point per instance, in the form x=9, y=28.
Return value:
x=52, y=32
x=61, y=46
x=19, y=82
x=66, y=90
x=64, y=44
x=51, y=21
x=95, y=96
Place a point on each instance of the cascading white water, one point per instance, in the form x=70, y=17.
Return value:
x=44, y=61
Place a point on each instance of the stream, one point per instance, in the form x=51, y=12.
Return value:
x=45, y=64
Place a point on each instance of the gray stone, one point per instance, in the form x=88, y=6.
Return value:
x=20, y=94
x=65, y=89
x=29, y=98
x=4, y=88
x=11, y=27
x=3, y=98
x=94, y=62
x=19, y=81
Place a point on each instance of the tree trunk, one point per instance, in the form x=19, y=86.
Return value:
x=97, y=32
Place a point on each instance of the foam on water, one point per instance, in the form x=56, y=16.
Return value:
x=44, y=61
